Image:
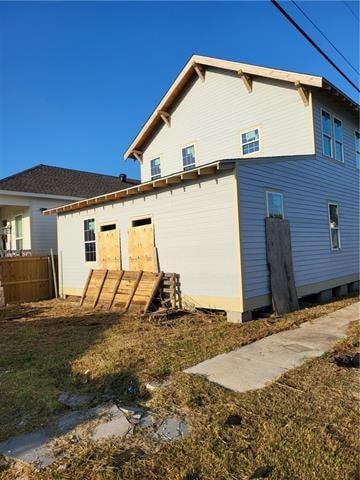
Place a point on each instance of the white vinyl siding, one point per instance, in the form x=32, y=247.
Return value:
x=333, y=212
x=212, y=115
x=192, y=239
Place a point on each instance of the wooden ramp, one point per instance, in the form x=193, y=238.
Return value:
x=119, y=289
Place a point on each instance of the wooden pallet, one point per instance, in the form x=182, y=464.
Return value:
x=124, y=290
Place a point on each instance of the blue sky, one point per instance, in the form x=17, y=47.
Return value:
x=78, y=79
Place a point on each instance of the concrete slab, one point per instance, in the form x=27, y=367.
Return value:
x=172, y=429
x=117, y=427
x=255, y=365
x=30, y=447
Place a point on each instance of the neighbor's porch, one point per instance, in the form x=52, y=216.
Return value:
x=15, y=232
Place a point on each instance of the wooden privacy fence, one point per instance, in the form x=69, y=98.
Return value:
x=26, y=279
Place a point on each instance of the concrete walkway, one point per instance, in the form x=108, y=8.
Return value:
x=255, y=365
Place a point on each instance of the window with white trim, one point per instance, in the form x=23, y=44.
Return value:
x=333, y=211
x=326, y=133
x=155, y=168
x=19, y=232
x=338, y=139
x=188, y=157
x=357, y=149
x=250, y=141
x=274, y=205
x=90, y=240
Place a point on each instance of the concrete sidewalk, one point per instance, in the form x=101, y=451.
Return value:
x=255, y=365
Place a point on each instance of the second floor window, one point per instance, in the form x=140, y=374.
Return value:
x=89, y=240
x=338, y=140
x=357, y=148
x=155, y=168
x=326, y=133
x=250, y=141
x=188, y=157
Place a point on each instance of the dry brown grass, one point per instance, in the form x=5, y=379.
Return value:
x=303, y=427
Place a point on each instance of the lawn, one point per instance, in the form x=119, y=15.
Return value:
x=302, y=427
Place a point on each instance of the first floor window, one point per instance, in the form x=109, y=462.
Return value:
x=274, y=205
x=19, y=232
x=155, y=168
x=357, y=148
x=250, y=141
x=326, y=133
x=338, y=139
x=334, y=226
x=89, y=240
x=188, y=157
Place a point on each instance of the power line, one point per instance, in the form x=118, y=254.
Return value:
x=310, y=40
x=323, y=34
x=351, y=10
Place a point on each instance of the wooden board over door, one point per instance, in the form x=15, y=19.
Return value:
x=109, y=249
x=141, y=245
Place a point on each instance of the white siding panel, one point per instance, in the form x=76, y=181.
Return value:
x=195, y=233
x=212, y=114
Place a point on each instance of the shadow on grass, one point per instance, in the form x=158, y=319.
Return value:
x=36, y=361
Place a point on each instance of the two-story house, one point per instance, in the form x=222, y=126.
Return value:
x=229, y=145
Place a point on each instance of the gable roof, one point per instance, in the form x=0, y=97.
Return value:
x=198, y=63
x=63, y=182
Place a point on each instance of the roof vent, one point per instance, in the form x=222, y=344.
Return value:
x=122, y=177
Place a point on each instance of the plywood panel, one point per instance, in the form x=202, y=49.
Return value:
x=109, y=249
x=141, y=245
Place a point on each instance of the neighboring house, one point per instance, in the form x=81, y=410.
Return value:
x=24, y=196
x=229, y=145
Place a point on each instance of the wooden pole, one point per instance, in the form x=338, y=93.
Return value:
x=96, y=299
x=86, y=286
x=54, y=272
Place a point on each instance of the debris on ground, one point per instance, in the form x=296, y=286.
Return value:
x=156, y=384
x=31, y=447
x=348, y=361
x=74, y=401
x=172, y=429
x=117, y=427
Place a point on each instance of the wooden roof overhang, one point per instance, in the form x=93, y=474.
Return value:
x=197, y=65
x=161, y=183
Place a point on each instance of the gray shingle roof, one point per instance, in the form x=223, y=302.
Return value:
x=46, y=179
